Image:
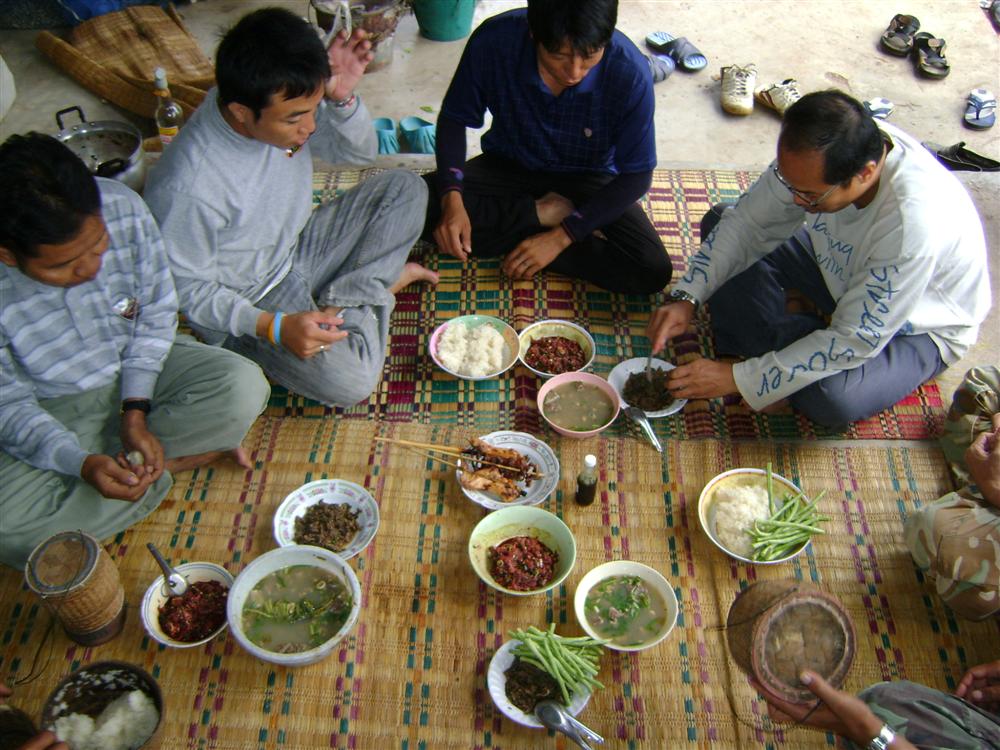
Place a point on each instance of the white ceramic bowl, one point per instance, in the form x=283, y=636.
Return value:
x=279, y=558
x=538, y=452
x=157, y=595
x=496, y=681
x=579, y=377
x=331, y=492
x=706, y=513
x=650, y=577
x=510, y=350
x=621, y=372
x=564, y=328
x=522, y=520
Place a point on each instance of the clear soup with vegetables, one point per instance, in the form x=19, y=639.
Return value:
x=579, y=407
x=625, y=610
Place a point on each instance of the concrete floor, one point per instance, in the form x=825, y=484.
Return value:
x=820, y=43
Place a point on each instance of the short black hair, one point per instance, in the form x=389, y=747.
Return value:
x=838, y=126
x=46, y=192
x=586, y=24
x=268, y=52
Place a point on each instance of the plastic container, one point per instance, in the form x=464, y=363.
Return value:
x=444, y=20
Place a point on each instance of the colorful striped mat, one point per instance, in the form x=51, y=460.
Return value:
x=411, y=675
x=414, y=390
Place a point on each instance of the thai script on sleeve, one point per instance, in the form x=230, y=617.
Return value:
x=876, y=307
x=699, y=262
x=819, y=361
x=838, y=254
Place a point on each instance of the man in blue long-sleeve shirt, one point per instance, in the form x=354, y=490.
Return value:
x=90, y=372
x=570, y=150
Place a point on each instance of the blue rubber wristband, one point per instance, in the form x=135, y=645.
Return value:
x=277, y=327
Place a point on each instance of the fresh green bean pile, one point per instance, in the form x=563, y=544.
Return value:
x=787, y=529
x=570, y=661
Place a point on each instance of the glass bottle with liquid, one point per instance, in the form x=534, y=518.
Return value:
x=169, y=115
x=586, y=481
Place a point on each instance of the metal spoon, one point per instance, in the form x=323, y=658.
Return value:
x=174, y=583
x=638, y=416
x=589, y=734
x=649, y=367
x=553, y=717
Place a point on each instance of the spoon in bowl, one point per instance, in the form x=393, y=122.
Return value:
x=174, y=584
x=554, y=717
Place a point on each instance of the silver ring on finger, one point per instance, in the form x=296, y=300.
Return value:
x=322, y=347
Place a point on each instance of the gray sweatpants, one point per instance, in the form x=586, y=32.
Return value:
x=206, y=399
x=349, y=254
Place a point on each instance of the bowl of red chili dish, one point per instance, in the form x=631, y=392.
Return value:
x=552, y=347
x=194, y=618
x=522, y=550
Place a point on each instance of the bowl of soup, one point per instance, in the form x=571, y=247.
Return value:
x=294, y=604
x=628, y=604
x=578, y=404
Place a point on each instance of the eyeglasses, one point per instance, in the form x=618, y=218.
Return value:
x=806, y=198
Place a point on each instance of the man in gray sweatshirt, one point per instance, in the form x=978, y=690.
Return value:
x=305, y=294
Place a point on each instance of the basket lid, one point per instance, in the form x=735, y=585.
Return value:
x=61, y=563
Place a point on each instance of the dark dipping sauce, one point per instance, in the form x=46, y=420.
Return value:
x=527, y=685
x=555, y=355
x=196, y=614
x=649, y=394
x=327, y=525
x=522, y=563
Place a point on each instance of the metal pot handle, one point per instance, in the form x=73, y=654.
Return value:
x=62, y=112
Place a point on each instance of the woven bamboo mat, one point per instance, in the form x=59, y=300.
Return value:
x=411, y=675
x=414, y=390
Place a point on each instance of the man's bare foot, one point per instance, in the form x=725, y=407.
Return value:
x=414, y=272
x=188, y=463
x=552, y=208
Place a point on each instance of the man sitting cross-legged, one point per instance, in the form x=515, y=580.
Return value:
x=91, y=374
x=306, y=294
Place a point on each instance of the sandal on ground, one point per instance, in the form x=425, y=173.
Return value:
x=981, y=110
x=992, y=8
x=385, y=131
x=779, y=96
x=880, y=108
x=685, y=54
x=898, y=36
x=960, y=159
x=929, y=55
x=419, y=134
x=661, y=67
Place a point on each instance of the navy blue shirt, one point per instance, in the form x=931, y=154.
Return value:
x=603, y=124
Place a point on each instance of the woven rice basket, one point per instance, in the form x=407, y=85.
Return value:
x=114, y=56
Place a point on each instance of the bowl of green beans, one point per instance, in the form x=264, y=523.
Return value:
x=759, y=517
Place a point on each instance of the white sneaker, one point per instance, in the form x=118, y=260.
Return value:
x=779, y=96
x=737, y=88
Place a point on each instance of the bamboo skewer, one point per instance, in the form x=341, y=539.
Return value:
x=454, y=452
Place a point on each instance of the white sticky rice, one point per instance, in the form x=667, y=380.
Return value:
x=471, y=351
x=735, y=508
x=124, y=724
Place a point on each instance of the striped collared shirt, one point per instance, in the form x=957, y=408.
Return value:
x=60, y=341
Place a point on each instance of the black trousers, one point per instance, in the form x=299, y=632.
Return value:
x=500, y=199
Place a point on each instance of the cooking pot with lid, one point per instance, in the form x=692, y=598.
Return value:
x=109, y=148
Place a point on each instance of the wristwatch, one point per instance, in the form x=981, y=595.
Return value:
x=138, y=404
x=678, y=295
x=882, y=739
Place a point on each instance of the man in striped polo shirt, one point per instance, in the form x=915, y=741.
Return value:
x=99, y=401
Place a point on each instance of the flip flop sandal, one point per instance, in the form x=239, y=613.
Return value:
x=981, y=110
x=880, y=108
x=385, y=131
x=992, y=8
x=897, y=39
x=960, y=159
x=930, y=59
x=419, y=134
x=686, y=55
x=661, y=67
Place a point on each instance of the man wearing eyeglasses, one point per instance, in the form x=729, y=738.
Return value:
x=863, y=221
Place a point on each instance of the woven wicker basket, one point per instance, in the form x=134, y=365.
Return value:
x=775, y=629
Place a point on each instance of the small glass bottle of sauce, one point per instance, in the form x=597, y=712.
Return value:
x=586, y=481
